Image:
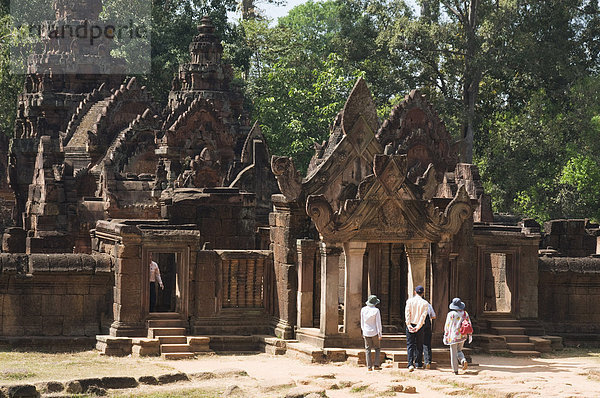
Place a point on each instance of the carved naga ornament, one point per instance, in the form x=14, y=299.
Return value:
x=388, y=207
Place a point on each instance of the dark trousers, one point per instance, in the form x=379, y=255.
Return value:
x=152, y=296
x=414, y=347
x=427, y=340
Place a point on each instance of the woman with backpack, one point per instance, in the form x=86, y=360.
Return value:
x=457, y=330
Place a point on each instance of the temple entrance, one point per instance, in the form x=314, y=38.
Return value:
x=498, y=275
x=166, y=298
x=386, y=276
x=172, y=265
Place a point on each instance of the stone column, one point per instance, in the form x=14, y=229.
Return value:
x=306, y=267
x=131, y=293
x=440, y=287
x=353, y=300
x=288, y=223
x=418, y=254
x=330, y=258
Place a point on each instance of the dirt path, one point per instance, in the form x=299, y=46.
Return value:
x=495, y=376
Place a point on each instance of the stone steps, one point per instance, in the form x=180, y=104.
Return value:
x=516, y=330
x=174, y=348
x=516, y=338
x=154, y=333
x=172, y=339
x=173, y=342
x=521, y=346
x=508, y=335
x=165, y=323
x=396, y=341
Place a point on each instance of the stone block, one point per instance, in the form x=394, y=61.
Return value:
x=172, y=378
x=273, y=219
x=118, y=382
x=131, y=298
x=129, y=266
x=575, y=227
x=20, y=391
x=145, y=347
x=52, y=325
x=32, y=325
x=150, y=380
x=89, y=382
x=117, y=346
x=555, y=227
x=285, y=255
x=13, y=240
x=50, y=387
x=73, y=304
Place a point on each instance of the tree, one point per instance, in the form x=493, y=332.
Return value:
x=10, y=83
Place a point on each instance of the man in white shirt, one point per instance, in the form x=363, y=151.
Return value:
x=370, y=323
x=415, y=314
x=154, y=277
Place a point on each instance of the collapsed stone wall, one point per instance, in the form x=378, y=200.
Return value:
x=569, y=290
x=572, y=238
x=54, y=295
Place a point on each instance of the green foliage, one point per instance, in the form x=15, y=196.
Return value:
x=10, y=84
x=298, y=104
x=542, y=160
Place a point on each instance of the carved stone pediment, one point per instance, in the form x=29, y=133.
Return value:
x=415, y=129
x=388, y=207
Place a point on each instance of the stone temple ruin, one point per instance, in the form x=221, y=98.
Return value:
x=253, y=255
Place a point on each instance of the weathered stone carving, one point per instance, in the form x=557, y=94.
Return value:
x=389, y=208
x=415, y=129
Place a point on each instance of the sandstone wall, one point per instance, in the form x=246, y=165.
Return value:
x=54, y=295
x=573, y=238
x=569, y=293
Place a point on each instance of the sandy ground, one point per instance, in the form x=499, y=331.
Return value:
x=495, y=376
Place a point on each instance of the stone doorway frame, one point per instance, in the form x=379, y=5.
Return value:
x=513, y=285
x=182, y=278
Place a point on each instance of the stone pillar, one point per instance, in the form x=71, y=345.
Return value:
x=353, y=299
x=288, y=223
x=418, y=254
x=330, y=258
x=130, y=304
x=440, y=287
x=306, y=267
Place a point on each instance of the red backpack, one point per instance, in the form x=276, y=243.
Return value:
x=466, y=327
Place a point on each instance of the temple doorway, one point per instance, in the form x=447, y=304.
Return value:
x=498, y=275
x=386, y=276
x=166, y=299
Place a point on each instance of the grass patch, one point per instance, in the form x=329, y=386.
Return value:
x=358, y=388
x=179, y=393
x=34, y=366
x=18, y=374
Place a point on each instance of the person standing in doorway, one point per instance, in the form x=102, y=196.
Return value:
x=415, y=313
x=454, y=334
x=427, y=332
x=370, y=323
x=154, y=277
